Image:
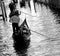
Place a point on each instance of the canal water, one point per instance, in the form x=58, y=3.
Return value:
x=44, y=38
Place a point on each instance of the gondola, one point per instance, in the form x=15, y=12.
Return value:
x=24, y=29
x=22, y=40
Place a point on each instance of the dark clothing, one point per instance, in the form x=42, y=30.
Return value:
x=15, y=27
x=11, y=14
x=14, y=19
x=12, y=6
x=14, y=13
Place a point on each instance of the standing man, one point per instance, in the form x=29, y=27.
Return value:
x=14, y=16
x=12, y=7
x=15, y=22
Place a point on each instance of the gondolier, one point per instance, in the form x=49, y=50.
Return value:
x=15, y=21
x=12, y=7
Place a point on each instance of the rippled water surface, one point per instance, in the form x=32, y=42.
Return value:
x=45, y=34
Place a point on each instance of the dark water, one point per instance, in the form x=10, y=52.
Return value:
x=56, y=12
x=20, y=45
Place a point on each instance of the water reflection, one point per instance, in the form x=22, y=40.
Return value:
x=18, y=46
x=21, y=43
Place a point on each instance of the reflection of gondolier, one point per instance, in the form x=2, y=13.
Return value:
x=15, y=21
x=14, y=16
x=12, y=7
